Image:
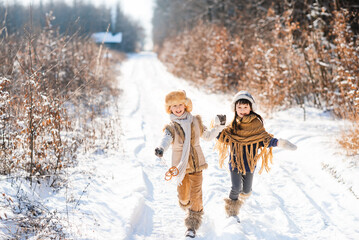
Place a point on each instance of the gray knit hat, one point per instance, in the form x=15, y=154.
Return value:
x=243, y=95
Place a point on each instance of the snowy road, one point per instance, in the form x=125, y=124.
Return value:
x=300, y=198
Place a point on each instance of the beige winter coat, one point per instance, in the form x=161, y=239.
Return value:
x=196, y=160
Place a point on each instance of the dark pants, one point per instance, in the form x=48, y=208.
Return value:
x=240, y=184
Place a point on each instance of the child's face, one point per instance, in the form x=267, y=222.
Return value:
x=178, y=109
x=243, y=109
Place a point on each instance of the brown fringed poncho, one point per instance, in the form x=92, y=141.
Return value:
x=245, y=140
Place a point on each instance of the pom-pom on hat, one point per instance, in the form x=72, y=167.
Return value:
x=175, y=98
x=243, y=95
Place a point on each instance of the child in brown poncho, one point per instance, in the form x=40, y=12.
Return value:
x=248, y=141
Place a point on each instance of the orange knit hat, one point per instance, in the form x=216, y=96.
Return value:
x=177, y=97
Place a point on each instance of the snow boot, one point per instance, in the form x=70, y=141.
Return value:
x=190, y=233
x=193, y=221
x=232, y=206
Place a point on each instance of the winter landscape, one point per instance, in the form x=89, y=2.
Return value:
x=311, y=193
x=80, y=119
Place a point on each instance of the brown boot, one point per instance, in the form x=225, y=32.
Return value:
x=232, y=206
x=193, y=220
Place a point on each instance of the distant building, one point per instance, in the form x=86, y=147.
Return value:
x=109, y=39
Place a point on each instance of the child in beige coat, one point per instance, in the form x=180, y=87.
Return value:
x=184, y=132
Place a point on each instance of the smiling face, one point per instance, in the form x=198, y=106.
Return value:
x=178, y=109
x=243, y=109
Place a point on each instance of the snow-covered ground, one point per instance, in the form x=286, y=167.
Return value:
x=311, y=193
x=301, y=197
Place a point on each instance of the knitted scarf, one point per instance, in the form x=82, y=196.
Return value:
x=185, y=121
x=245, y=140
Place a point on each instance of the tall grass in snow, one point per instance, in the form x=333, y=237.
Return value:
x=281, y=62
x=54, y=91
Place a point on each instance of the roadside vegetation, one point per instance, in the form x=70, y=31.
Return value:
x=55, y=91
x=286, y=53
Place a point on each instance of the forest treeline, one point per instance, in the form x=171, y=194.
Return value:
x=287, y=53
x=80, y=17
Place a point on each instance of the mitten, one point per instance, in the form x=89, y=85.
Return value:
x=159, y=152
x=282, y=143
x=220, y=120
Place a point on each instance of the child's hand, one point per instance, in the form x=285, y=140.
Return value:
x=159, y=152
x=282, y=143
x=220, y=120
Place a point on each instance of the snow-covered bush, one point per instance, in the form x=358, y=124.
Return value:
x=54, y=90
x=283, y=62
x=207, y=55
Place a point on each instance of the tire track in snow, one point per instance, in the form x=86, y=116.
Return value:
x=140, y=122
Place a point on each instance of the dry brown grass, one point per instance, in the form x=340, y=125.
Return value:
x=350, y=140
x=51, y=87
x=54, y=93
x=279, y=66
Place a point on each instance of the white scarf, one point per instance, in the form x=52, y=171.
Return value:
x=185, y=120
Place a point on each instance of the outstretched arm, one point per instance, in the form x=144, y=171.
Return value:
x=283, y=143
x=219, y=125
x=166, y=141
